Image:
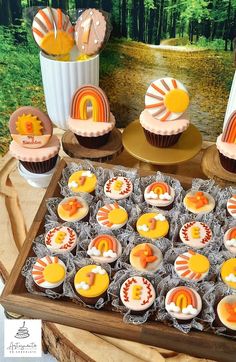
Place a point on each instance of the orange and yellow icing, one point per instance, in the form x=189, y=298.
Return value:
x=82, y=181
x=90, y=95
x=72, y=209
x=71, y=206
x=226, y=310
x=228, y=272
x=146, y=255
x=48, y=271
x=29, y=125
x=91, y=281
x=152, y=225
x=198, y=200
x=192, y=266
x=104, y=243
x=112, y=216
x=229, y=133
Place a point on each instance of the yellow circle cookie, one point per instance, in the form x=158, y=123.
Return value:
x=199, y=263
x=54, y=273
x=82, y=181
x=91, y=281
x=228, y=272
x=177, y=100
x=152, y=225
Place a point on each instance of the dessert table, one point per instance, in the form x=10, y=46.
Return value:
x=19, y=203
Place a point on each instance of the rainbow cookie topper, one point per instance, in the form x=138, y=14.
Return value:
x=103, y=245
x=158, y=190
x=229, y=133
x=166, y=99
x=182, y=300
x=94, y=97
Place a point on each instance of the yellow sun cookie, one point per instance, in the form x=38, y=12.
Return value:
x=54, y=273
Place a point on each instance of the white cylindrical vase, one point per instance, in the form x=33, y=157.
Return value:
x=60, y=81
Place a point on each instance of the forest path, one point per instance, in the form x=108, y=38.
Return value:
x=178, y=48
x=207, y=75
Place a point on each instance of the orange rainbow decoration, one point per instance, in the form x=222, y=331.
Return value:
x=104, y=243
x=182, y=297
x=159, y=188
x=90, y=94
x=229, y=133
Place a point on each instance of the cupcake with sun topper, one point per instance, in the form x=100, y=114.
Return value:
x=226, y=144
x=199, y=202
x=104, y=249
x=49, y=272
x=230, y=240
x=183, y=303
x=112, y=216
x=90, y=118
x=33, y=143
x=164, y=118
x=159, y=194
x=152, y=225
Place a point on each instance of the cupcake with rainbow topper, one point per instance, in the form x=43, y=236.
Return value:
x=164, y=118
x=90, y=118
x=226, y=144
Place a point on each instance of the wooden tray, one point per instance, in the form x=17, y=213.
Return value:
x=15, y=298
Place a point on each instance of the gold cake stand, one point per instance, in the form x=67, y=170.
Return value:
x=135, y=143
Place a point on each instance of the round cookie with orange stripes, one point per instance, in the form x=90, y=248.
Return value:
x=183, y=303
x=112, y=216
x=192, y=266
x=199, y=202
x=49, y=272
x=164, y=118
x=230, y=240
x=53, y=31
x=104, y=249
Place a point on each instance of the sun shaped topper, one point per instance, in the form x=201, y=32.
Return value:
x=112, y=216
x=166, y=99
x=192, y=266
x=53, y=31
x=49, y=272
x=30, y=127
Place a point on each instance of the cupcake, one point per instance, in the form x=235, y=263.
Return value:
x=112, y=216
x=164, y=118
x=82, y=181
x=53, y=31
x=91, y=283
x=199, y=202
x=146, y=257
x=159, y=194
x=33, y=144
x=230, y=240
x=72, y=209
x=226, y=145
x=104, y=249
x=192, y=266
x=137, y=294
x=228, y=273
x=152, y=225
x=183, y=303
x=61, y=239
x=49, y=273
x=231, y=206
x=91, y=124
x=226, y=311
x=118, y=188
x=195, y=234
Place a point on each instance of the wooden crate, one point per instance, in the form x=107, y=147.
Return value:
x=15, y=298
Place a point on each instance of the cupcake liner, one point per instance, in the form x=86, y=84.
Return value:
x=227, y=163
x=40, y=167
x=93, y=142
x=161, y=141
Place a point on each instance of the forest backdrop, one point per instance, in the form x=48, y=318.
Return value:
x=191, y=40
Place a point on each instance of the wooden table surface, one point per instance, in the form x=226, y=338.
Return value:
x=18, y=205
